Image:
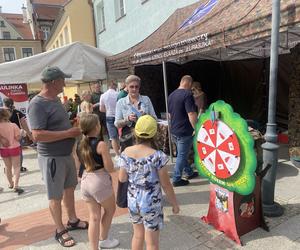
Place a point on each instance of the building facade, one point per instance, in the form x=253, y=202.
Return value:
x=69, y=28
x=41, y=15
x=121, y=24
x=16, y=40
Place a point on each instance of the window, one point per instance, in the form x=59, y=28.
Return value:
x=2, y=24
x=6, y=35
x=119, y=9
x=46, y=32
x=26, y=52
x=100, y=17
x=9, y=54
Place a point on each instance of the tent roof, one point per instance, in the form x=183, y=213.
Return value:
x=84, y=62
x=220, y=30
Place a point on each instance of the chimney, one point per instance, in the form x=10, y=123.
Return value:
x=0, y=9
x=25, y=20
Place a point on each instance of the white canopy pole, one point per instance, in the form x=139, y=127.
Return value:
x=167, y=108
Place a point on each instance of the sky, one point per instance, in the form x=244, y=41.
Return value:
x=12, y=6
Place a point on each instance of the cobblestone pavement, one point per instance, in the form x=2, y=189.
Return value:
x=26, y=222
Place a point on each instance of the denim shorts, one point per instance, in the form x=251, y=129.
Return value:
x=111, y=128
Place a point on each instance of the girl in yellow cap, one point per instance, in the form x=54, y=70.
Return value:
x=144, y=168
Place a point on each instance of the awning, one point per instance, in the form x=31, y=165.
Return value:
x=84, y=62
x=219, y=30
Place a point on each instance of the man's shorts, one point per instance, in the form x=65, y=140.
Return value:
x=111, y=128
x=59, y=173
x=10, y=152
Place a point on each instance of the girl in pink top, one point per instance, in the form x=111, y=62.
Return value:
x=11, y=152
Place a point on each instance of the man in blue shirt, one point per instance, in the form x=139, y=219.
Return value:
x=183, y=116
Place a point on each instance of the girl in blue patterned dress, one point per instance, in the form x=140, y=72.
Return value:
x=144, y=168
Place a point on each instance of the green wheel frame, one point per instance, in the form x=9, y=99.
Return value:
x=243, y=180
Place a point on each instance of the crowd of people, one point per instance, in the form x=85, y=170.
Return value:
x=131, y=123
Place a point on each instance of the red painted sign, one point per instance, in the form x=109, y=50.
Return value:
x=17, y=92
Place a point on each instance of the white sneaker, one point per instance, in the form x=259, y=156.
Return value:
x=109, y=243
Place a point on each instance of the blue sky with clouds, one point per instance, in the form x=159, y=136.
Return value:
x=11, y=6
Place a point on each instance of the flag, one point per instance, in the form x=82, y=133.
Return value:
x=199, y=13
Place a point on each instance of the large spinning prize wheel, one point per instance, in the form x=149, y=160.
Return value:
x=224, y=149
x=225, y=155
x=218, y=148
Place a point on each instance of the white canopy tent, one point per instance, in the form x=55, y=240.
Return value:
x=84, y=62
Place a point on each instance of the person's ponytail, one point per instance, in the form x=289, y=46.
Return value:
x=85, y=151
x=87, y=123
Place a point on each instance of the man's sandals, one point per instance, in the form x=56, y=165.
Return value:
x=70, y=226
x=75, y=225
x=64, y=241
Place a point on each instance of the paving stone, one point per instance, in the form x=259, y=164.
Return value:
x=181, y=232
x=200, y=247
x=210, y=244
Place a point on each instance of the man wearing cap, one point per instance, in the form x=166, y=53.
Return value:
x=55, y=138
x=183, y=114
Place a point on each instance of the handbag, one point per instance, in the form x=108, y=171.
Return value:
x=127, y=137
x=122, y=194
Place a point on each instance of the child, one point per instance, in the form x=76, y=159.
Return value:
x=144, y=169
x=96, y=184
x=86, y=107
x=11, y=153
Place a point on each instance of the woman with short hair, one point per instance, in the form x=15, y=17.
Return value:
x=130, y=108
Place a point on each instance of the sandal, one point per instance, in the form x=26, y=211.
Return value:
x=61, y=240
x=75, y=225
x=11, y=186
x=18, y=190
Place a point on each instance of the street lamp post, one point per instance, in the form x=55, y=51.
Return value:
x=270, y=147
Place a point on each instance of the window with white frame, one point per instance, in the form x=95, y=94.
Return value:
x=9, y=54
x=26, y=52
x=100, y=16
x=6, y=35
x=119, y=9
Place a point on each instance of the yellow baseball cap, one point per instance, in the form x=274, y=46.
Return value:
x=146, y=127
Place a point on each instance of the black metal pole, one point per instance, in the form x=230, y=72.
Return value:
x=270, y=147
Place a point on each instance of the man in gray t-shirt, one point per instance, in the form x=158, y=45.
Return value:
x=55, y=138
